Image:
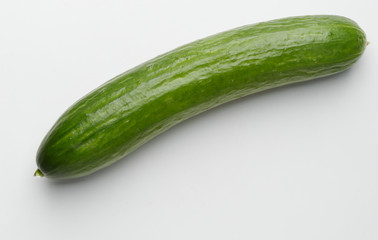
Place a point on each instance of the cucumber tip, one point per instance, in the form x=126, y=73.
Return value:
x=38, y=173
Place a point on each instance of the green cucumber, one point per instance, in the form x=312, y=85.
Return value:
x=132, y=108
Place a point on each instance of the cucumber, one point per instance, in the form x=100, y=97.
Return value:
x=132, y=108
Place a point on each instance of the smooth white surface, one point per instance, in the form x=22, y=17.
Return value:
x=294, y=163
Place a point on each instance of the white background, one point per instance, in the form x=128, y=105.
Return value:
x=299, y=162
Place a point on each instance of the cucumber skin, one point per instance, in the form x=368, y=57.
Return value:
x=132, y=108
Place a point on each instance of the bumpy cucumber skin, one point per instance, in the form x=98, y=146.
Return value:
x=127, y=111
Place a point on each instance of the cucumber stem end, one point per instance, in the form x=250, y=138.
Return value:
x=38, y=173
